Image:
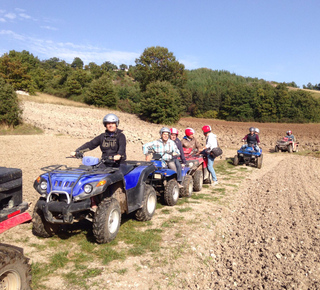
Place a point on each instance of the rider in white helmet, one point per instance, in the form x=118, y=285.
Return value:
x=167, y=148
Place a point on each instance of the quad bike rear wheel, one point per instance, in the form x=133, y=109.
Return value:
x=146, y=212
x=107, y=219
x=187, y=189
x=171, y=193
x=236, y=160
x=40, y=227
x=15, y=271
x=198, y=180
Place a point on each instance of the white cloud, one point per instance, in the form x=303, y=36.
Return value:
x=25, y=16
x=2, y=20
x=49, y=28
x=10, y=16
x=67, y=51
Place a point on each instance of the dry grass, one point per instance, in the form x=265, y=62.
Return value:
x=49, y=99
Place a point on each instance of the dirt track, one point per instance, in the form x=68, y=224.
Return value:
x=264, y=235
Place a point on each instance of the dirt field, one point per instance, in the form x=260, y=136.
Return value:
x=263, y=233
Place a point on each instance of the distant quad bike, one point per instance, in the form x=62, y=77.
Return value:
x=248, y=156
x=164, y=181
x=198, y=168
x=286, y=144
x=15, y=270
x=99, y=190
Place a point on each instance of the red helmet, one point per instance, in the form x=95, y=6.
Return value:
x=206, y=129
x=174, y=131
x=289, y=132
x=189, y=131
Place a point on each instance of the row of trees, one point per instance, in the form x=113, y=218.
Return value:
x=310, y=86
x=159, y=89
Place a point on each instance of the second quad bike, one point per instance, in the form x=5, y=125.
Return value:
x=248, y=156
x=98, y=190
x=164, y=180
x=198, y=168
x=15, y=269
x=286, y=144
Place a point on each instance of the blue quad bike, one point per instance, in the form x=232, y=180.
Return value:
x=164, y=181
x=248, y=156
x=98, y=190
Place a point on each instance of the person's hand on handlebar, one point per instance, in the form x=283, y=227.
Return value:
x=117, y=157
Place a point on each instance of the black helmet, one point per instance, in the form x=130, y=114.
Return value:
x=110, y=118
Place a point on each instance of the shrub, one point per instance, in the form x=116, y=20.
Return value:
x=101, y=93
x=160, y=103
x=10, y=113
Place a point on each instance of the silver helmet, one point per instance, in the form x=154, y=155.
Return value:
x=110, y=118
x=164, y=130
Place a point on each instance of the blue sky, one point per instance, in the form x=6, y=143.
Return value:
x=276, y=40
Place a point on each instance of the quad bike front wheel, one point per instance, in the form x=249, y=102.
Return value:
x=146, y=212
x=171, y=192
x=276, y=149
x=15, y=271
x=107, y=219
x=187, y=189
x=236, y=160
x=40, y=227
x=198, y=180
x=290, y=150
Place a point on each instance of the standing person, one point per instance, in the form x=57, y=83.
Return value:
x=112, y=142
x=168, y=149
x=174, y=137
x=211, y=142
x=189, y=141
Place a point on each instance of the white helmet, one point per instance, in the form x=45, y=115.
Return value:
x=110, y=118
x=257, y=130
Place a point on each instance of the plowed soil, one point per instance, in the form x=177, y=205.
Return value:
x=262, y=231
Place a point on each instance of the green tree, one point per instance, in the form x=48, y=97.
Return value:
x=101, y=93
x=158, y=64
x=123, y=66
x=16, y=73
x=77, y=63
x=10, y=113
x=160, y=103
x=108, y=66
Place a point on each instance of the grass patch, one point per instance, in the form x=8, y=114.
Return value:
x=23, y=129
x=315, y=154
x=166, y=211
x=225, y=168
x=185, y=209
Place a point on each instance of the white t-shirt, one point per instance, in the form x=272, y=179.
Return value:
x=211, y=141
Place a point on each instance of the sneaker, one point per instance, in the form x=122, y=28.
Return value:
x=215, y=183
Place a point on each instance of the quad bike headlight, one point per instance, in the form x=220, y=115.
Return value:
x=157, y=176
x=43, y=185
x=88, y=188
